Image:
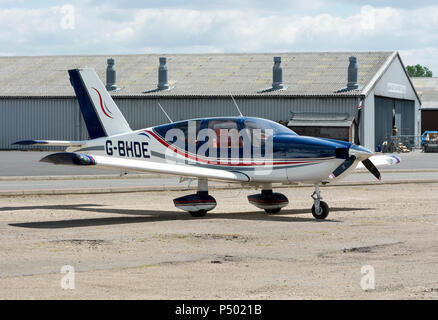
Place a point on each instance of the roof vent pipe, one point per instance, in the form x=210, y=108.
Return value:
x=277, y=75
x=163, y=83
x=352, y=74
x=110, y=75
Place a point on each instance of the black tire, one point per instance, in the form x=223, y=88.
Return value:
x=199, y=213
x=324, y=211
x=272, y=211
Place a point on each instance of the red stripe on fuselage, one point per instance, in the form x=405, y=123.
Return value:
x=164, y=143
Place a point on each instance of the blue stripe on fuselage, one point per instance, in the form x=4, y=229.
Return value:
x=300, y=147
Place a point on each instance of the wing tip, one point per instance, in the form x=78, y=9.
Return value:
x=29, y=142
x=396, y=158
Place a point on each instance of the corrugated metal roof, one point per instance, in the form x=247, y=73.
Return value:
x=427, y=89
x=304, y=74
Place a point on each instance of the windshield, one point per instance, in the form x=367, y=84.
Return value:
x=264, y=124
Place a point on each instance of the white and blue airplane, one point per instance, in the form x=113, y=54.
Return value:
x=246, y=150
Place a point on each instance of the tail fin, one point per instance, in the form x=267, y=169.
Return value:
x=101, y=114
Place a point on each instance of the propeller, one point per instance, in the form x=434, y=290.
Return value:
x=355, y=153
x=372, y=168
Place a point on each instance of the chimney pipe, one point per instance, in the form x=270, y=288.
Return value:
x=110, y=75
x=277, y=74
x=352, y=74
x=163, y=83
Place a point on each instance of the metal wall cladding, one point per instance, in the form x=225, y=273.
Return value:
x=24, y=118
x=407, y=110
x=60, y=119
x=142, y=113
x=382, y=119
x=404, y=118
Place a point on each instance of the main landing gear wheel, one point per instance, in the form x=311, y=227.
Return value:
x=197, y=204
x=320, y=209
x=322, y=212
x=199, y=213
x=271, y=202
x=273, y=211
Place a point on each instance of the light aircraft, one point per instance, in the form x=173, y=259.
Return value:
x=246, y=150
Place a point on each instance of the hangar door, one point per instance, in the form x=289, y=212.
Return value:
x=390, y=112
x=429, y=120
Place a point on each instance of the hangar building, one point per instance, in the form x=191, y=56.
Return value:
x=355, y=96
x=427, y=89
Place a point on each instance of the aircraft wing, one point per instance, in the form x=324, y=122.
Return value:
x=381, y=160
x=71, y=158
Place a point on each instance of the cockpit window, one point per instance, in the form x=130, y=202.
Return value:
x=222, y=124
x=184, y=131
x=226, y=133
x=262, y=124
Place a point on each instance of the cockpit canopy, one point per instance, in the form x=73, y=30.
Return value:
x=242, y=137
x=191, y=128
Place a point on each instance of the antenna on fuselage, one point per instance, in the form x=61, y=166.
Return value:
x=236, y=105
x=162, y=109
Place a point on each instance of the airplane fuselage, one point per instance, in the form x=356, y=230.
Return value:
x=290, y=158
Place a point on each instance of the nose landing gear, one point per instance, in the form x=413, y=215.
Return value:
x=320, y=209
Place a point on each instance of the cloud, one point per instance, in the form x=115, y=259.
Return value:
x=108, y=27
x=234, y=30
x=3, y=2
x=262, y=5
x=401, y=4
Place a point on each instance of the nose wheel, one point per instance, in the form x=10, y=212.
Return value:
x=320, y=209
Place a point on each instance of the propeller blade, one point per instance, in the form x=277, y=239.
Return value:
x=372, y=168
x=343, y=167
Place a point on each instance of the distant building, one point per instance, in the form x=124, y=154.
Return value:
x=356, y=96
x=427, y=89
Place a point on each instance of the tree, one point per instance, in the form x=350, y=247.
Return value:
x=418, y=71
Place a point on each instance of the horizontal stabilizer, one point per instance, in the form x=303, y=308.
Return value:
x=59, y=143
x=69, y=158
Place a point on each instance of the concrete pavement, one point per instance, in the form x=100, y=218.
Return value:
x=21, y=173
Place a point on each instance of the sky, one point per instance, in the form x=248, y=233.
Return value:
x=227, y=26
